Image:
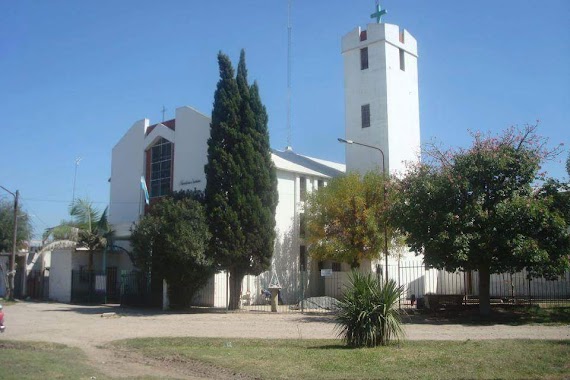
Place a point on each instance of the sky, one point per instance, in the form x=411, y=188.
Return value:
x=75, y=75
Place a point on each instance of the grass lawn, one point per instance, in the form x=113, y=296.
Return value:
x=37, y=360
x=327, y=359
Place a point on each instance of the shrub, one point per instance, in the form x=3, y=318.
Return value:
x=368, y=315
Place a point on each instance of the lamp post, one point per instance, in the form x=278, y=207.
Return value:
x=12, y=270
x=351, y=142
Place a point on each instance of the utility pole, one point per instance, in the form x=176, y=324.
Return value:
x=12, y=270
x=289, y=29
x=77, y=161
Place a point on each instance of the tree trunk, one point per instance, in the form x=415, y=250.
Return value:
x=236, y=279
x=484, y=290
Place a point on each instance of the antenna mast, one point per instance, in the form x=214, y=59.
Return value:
x=288, y=74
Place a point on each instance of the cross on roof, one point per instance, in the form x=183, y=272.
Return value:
x=379, y=13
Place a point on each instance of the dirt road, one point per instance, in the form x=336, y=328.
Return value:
x=85, y=328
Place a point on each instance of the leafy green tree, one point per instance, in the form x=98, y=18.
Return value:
x=241, y=193
x=171, y=240
x=568, y=165
x=368, y=313
x=345, y=219
x=7, y=226
x=23, y=235
x=476, y=209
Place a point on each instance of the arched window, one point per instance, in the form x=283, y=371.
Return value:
x=161, y=168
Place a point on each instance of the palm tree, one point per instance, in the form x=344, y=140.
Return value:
x=93, y=227
x=367, y=312
x=88, y=227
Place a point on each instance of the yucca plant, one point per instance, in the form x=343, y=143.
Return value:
x=368, y=313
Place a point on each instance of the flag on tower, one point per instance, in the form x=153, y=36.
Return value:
x=145, y=189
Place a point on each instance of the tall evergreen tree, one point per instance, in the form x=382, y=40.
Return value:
x=261, y=190
x=241, y=193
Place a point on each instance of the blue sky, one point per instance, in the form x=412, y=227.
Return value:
x=75, y=75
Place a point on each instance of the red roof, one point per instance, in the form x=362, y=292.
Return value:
x=169, y=123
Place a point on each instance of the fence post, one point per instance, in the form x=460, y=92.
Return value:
x=303, y=292
x=400, y=297
x=227, y=290
x=529, y=293
x=464, y=289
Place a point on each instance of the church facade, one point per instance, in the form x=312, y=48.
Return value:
x=382, y=110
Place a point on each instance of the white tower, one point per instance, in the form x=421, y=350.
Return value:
x=381, y=97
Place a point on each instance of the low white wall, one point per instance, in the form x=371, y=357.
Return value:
x=213, y=294
x=60, y=275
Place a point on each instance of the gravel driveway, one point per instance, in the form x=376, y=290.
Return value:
x=85, y=328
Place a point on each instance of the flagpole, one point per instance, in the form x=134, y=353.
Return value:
x=140, y=201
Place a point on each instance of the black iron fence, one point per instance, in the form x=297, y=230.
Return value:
x=422, y=287
x=135, y=289
x=37, y=284
x=88, y=286
x=130, y=288
x=320, y=291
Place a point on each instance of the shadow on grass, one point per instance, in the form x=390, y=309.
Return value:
x=332, y=347
x=512, y=315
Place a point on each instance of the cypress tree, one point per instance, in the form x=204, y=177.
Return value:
x=261, y=191
x=241, y=193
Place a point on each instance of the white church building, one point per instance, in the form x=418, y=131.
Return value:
x=382, y=110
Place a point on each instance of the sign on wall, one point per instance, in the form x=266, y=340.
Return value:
x=326, y=272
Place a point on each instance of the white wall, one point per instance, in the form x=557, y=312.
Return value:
x=190, y=139
x=391, y=93
x=60, y=275
x=191, y=153
x=214, y=293
x=127, y=166
x=403, y=101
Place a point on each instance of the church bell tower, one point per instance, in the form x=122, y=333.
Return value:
x=381, y=96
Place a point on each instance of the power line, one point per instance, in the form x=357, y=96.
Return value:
x=67, y=201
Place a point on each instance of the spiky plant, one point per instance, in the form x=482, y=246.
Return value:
x=368, y=313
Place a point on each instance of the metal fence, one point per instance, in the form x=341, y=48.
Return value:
x=422, y=287
x=136, y=289
x=37, y=284
x=129, y=288
x=312, y=292
x=421, y=284
x=88, y=287
x=95, y=286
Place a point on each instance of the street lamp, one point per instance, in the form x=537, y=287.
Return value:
x=351, y=142
x=12, y=270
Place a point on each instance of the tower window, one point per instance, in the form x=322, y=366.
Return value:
x=303, y=189
x=402, y=60
x=302, y=258
x=364, y=58
x=302, y=225
x=365, y=112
